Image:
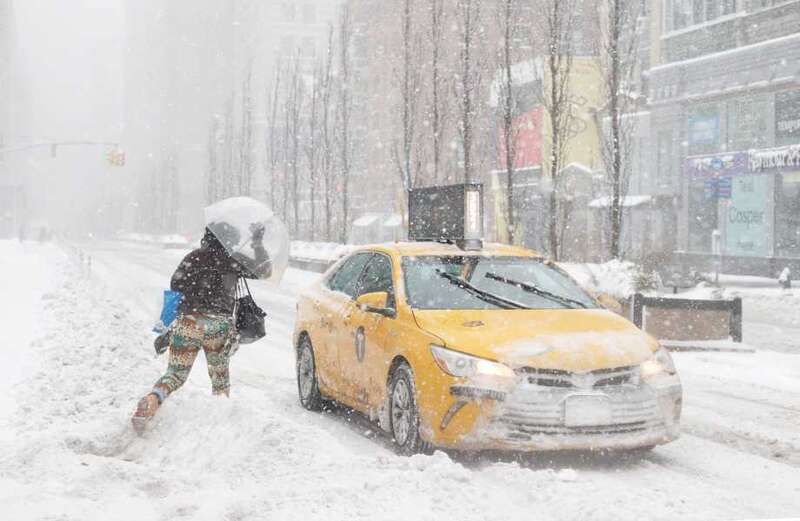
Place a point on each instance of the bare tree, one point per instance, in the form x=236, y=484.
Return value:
x=408, y=165
x=438, y=110
x=271, y=143
x=312, y=146
x=553, y=37
x=228, y=141
x=618, y=38
x=286, y=163
x=509, y=20
x=468, y=89
x=246, y=162
x=160, y=194
x=327, y=159
x=344, y=115
x=170, y=189
x=212, y=191
x=294, y=103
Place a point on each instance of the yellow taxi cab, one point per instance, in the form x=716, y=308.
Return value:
x=489, y=349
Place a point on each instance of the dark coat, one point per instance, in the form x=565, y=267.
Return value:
x=207, y=278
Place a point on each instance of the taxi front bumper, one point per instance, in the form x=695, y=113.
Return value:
x=534, y=419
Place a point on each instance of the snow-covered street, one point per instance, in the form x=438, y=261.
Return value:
x=79, y=355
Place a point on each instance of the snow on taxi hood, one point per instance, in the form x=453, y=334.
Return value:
x=572, y=340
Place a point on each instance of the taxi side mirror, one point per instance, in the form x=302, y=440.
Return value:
x=375, y=303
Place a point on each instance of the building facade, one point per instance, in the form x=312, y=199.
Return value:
x=724, y=122
x=531, y=186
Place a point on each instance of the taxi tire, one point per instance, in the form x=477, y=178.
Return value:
x=414, y=444
x=314, y=402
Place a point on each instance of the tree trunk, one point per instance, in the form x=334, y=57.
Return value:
x=344, y=74
x=615, y=115
x=436, y=117
x=508, y=117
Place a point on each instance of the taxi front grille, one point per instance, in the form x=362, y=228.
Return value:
x=528, y=412
x=526, y=432
x=598, y=379
x=537, y=414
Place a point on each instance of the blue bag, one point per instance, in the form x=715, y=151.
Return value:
x=169, y=311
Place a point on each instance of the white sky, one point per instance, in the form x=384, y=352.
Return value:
x=71, y=51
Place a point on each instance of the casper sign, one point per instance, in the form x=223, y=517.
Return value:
x=747, y=223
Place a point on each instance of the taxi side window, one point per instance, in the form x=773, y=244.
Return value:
x=378, y=277
x=346, y=278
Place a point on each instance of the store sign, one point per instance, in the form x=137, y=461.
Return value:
x=775, y=159
x=787, y=117
x=528, y=144
x=766, y=161
x=718, y=187
x=747, y=226
x=717, y=165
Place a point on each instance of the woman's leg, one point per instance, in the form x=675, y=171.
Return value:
x=185, y=342
x=215, y=345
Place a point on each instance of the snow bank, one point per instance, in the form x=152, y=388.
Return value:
x=171, y=240
x=25, y=279
x=615, y=278
x=322, y=251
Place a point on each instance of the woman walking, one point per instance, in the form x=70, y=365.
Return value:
x=207, y=278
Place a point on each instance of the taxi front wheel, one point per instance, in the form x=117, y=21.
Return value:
x=404, y=414
x=307, y=384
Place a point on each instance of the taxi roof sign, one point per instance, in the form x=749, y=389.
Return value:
x=451, y=213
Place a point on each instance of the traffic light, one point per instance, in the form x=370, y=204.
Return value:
x=116, y=158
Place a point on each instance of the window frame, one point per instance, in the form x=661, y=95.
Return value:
x=391, y=302
x=328, y=284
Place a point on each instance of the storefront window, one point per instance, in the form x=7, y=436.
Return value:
x=685, y=13
x=787, y=118
x=703, y=127
x=787, y=215
x=702, y=213
x=747, y=123
x=680, y=15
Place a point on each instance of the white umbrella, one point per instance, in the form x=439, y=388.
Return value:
x=234, y=221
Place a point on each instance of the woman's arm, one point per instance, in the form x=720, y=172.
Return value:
x=263, y=263
x=184, y=277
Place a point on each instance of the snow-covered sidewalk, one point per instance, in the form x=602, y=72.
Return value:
x=68, y=452
x=25, y=279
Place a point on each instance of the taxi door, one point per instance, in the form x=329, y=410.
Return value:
x=332, y=305
x=362, y=356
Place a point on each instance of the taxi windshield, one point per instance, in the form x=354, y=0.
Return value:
x=483, y=282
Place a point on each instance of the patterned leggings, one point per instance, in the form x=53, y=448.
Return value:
x=191, y=333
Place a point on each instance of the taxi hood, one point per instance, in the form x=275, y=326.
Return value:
x=568, y=339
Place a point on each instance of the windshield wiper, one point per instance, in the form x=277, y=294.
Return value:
x=481, y=294
x=566, y=301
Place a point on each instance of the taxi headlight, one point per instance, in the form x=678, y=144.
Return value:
x=463, y=365
x=660, y=363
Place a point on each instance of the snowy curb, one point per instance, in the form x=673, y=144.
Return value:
x=720, y=346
